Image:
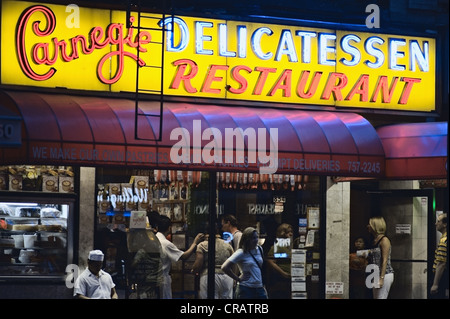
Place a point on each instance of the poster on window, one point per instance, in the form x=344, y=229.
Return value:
x=313, y=217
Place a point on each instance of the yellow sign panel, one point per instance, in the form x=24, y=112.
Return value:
x=99, y=50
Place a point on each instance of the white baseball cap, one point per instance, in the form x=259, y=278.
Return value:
x=96, y=255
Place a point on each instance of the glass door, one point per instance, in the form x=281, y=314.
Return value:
x=410, y=223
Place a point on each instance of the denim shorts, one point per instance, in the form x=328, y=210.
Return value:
x=243, y=292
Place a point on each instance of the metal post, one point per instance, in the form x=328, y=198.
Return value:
x=212, y=234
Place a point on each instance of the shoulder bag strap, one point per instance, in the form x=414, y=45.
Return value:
x=260, y=267
x=260, y=251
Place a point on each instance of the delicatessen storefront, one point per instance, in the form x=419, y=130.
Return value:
x=236, y=119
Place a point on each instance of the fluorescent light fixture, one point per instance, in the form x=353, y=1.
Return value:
x=19, y=204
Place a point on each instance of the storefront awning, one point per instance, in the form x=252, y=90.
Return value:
x=94, y=131
x=415, y=150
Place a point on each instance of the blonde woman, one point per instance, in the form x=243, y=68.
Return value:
x=249, y=258
x=380, y=255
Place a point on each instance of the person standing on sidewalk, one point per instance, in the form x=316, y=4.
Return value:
x=439, y=288
x=380, y=255
x=94, y=283
x=249, y=257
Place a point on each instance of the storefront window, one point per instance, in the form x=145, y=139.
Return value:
x=36, y=221
x=285, y=210
x=178, y=195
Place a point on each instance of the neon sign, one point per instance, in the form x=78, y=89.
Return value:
x=215, y=58
x=292, y=42
x=98, y=38
x=335, y=83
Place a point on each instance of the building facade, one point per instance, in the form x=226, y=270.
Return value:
x=274, y=114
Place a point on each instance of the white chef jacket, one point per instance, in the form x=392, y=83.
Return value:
x=89, y=285
x=170, y=253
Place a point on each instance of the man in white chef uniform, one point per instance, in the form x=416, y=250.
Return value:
x=93, y=282
x=171, y=253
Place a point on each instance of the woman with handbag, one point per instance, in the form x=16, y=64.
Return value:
x=249, y=258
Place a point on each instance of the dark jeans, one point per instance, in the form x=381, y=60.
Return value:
x=443, y=287
x=243, y=292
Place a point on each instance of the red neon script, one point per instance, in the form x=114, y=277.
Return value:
x=115, y=35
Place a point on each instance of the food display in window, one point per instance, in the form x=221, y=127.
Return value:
x=28, y=211
x=50, y=212
x=37, y=178
x=35, y=239
x=166, y=192
x=5, y=211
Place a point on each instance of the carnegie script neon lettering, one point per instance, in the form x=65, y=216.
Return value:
x=48, y=53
